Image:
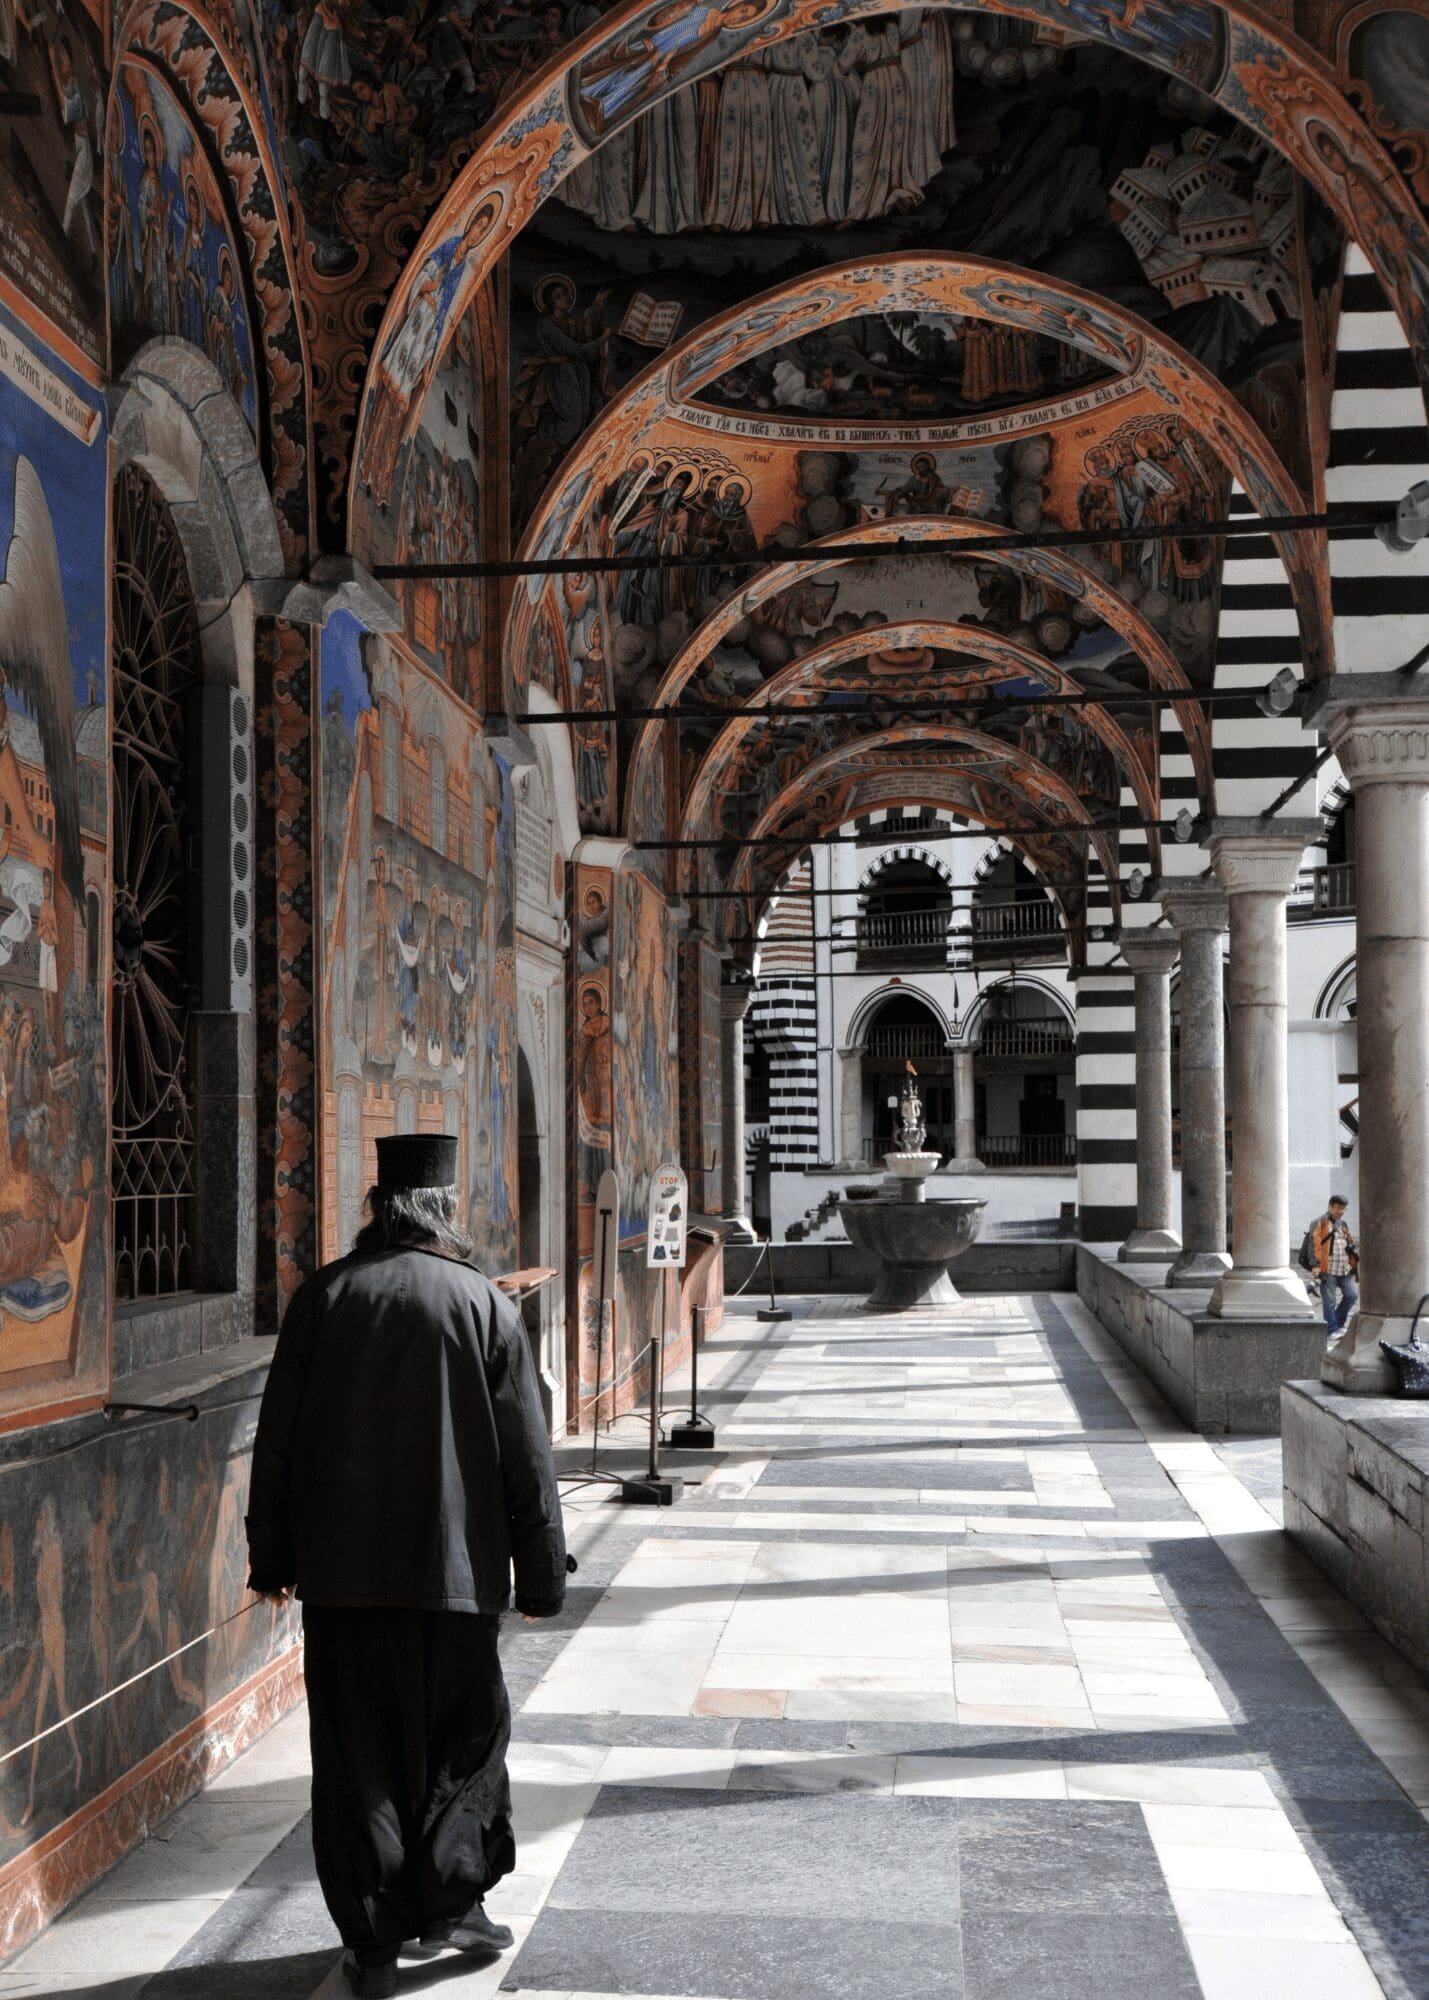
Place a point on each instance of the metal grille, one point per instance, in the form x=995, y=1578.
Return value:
x=156, y=662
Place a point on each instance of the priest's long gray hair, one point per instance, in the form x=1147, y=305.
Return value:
x=407, y=1218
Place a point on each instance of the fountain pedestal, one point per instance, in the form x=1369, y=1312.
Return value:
x=913, y=1239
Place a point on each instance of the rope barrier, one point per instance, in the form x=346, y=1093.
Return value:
x=68, y=1721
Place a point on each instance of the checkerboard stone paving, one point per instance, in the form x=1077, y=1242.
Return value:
x=963, y=1672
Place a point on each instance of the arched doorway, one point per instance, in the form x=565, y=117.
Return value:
x=906, y=1029
x=1024, y=1070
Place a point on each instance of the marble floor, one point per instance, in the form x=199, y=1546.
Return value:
x=962, y=1671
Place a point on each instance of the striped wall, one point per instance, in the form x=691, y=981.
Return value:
x=1106, y=1078
x=1379, y=448
x=783, y=1018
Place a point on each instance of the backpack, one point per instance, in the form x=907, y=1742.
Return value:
x=1308, y=1259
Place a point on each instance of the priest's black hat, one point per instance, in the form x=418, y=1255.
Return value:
x=417, y=1160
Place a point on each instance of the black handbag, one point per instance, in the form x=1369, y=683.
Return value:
x=1410, y=1362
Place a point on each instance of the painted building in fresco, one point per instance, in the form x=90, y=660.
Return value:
x=295, y=853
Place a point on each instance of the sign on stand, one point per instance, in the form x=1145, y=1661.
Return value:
x=669, y=1219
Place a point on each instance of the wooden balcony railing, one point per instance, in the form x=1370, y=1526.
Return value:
x=996, y=923
x=920, y=1040
x=909, y=937
x=1334, y=889
x=1049, y=1149
x=1026, y=1038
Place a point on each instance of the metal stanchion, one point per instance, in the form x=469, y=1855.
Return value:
x=773, y=1311
x=657, y=1488
x=697, y=1433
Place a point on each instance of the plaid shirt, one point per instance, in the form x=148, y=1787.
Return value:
x=1341, y=1245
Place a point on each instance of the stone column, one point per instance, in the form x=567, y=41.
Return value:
x=1257, y=862
x=1151, y=953
x=850, y=1110
x=1384, y=752
x=734, y=1003
x=965, y=1159
x=1199, y=914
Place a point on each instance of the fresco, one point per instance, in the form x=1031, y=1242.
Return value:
x=842, y=126
x=54, y=790
x=1049, y=141
x=418, y=973
x=1388, y=60
x=904, y=367
x=441, y=498
x=645, y=1040
x=625, y=1034
x=701, y=1129
x=112, y=1557
x=223, y=102
x=173, y=267
x=52, y=75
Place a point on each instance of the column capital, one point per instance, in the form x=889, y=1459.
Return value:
x=1150, y=949
x=735, y=1002
x=1381, y=742
x=1193, y=903
x=1260, y=855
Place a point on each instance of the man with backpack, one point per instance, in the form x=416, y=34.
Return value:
x=1331, y=1254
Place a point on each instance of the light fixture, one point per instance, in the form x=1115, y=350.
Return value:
x=1185, y=825
x=1136, y=885
x=1411, y=521
x=1279, y=696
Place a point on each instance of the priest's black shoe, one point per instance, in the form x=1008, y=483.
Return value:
x=475, y=1932
x=369, y=1979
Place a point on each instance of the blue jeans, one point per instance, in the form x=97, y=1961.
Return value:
x=1348, y=1299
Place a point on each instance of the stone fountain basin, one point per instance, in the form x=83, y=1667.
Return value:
x=913, y=1242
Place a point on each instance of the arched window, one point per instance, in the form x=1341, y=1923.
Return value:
x=906, y=917
x=156, y=664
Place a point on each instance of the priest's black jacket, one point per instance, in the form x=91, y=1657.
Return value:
x=401, y=1456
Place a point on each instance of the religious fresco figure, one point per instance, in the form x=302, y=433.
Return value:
x=593, y=1068
x=158, y=289
x=881, y=180
x=324, y=62
x=376, y=986
x=924, y=492
x=408, y=939
x=193, y=272
x=78, y=119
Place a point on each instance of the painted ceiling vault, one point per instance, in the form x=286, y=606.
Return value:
x=702, y=287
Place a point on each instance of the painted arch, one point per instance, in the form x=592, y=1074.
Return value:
x=1270, y=80
x=1061, y=570
x=731, y=758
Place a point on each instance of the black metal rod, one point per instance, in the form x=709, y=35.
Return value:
x=976, y=708
x=1282, y=798
x=970, y=546
x=188, y=1411
x=875, y=839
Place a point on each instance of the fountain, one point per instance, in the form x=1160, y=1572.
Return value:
x=913, y=1239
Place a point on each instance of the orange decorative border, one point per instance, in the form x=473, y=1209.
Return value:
x=72, y=1857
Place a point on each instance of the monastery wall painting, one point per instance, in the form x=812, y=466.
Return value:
x=626, y=1093
x=418, y=979
x=52, y=224
x=173, y=265
x=54, y=789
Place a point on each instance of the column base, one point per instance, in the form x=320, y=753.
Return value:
x=1149, y=1246
x=956, y=1166
x=1197, y=1270
x=1354, y=1364
x=1261, y=1292
x=738, y=1230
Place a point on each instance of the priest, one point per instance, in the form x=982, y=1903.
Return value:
x=401, y=1473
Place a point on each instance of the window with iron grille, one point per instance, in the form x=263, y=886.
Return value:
x=156, y=663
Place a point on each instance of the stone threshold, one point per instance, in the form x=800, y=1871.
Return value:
x=1223, y=1376
x=1355, y=1469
